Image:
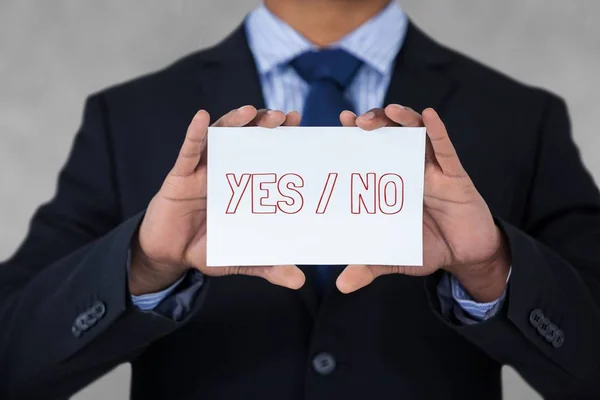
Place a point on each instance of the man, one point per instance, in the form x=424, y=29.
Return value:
x=114, y=267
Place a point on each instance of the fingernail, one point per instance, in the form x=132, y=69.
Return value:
x=369, y=116
x=398, y=106
x=270, y=112
x=242, y=108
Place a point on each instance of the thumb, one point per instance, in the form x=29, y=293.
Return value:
x=289, y=276
x=354, y=277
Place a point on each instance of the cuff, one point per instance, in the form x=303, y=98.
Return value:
x=454, y=299
x=149, y=301
x=178, y=305
x=168, y=303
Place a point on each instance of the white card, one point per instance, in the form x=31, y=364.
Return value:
x=300, y=195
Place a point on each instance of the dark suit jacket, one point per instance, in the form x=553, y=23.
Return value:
x=66, y=316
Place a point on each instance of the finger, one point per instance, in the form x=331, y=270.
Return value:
x=374, y=119
x=193, y=145
x=292, y=119
x=443, y=149
x=234, y=118
x=289, y=276
x=268, y=119
x=355, y=277
x=404, y=116
x=429, y=155
x=348, y=118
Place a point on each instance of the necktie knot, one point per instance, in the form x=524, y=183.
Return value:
x=335, y=65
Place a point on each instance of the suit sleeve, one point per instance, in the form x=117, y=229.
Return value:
x=66, y=316
x=549, y=326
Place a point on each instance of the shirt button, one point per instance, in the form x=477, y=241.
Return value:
x=324, y=363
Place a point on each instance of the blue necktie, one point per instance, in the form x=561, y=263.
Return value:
x=328, y=73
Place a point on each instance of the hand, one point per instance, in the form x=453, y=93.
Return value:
x=172, y=236
x=459, y=233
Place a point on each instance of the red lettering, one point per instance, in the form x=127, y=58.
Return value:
x=262, y=192
x=263, y=199
x=237, y=191
x=288, y=186
x=387, y=194
x=327, y=192
x=391, y=193
x=363, y=194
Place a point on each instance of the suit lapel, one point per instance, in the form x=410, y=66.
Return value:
x=229, y=78
x=417, y=81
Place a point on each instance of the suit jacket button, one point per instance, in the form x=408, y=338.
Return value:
x=81, y=322
x=535, y=318
x=99, y=309
x=324, y=363
x=559, y=338
x=544, y=327
x=551, y=332
x=75, y=331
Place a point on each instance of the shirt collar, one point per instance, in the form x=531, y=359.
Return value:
x=376, y=42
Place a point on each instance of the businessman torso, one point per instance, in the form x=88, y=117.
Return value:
x=254, y=340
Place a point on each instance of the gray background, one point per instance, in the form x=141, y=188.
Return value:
x=54, y=53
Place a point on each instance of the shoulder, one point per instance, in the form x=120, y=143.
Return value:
x=164, y=81
x=170, y=93
x=491, y=85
